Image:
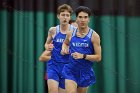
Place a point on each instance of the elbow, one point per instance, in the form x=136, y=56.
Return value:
x=41, y=59
x=44, y=58
x=45, y=46
x=99, y=59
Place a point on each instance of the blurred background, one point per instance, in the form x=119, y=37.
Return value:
x=23, y=30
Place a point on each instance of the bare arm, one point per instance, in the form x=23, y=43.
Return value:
x=97, y=48
x=65, y=46
x=51, y=34
x=45, y=56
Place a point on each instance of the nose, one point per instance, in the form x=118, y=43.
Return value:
x=82, y=19
x=65, y=16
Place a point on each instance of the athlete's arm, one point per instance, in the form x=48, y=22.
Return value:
x=51, y=34
x=45, y=56
x=97, y=48
x=65, y=45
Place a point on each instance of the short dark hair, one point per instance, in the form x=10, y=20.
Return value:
x=83, y=9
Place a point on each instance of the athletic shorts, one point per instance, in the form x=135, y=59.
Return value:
x=83, y=77
x=54, y=71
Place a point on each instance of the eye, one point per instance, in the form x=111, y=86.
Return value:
x=80, y=16
x=86, y=17
x=67, y=15
x=62, y=14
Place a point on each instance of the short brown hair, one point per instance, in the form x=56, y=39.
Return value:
x=64, y=7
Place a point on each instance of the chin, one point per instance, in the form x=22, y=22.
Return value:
x=82, y=27
x=65, y=23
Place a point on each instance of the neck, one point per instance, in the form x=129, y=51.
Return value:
x=83, y=31
x=64, y=27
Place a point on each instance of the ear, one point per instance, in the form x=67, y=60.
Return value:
x=89, y=19
x=76, y=20
x=58, y=16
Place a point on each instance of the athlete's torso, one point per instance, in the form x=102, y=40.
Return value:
x=81, y=45
x=57, y=42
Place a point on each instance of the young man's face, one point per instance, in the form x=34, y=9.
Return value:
x=82, y=20
x=64, y=17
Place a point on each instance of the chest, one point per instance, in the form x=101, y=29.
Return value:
x=80, y=42
x=59, y=38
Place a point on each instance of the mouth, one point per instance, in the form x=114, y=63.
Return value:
x=82, y=24
x=64, y=21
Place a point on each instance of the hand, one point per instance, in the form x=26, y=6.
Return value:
x=49, y=47
x=64, y=51
x=77, y=55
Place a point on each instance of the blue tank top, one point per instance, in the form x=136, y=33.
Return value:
x=57, y=42
x=81, y=45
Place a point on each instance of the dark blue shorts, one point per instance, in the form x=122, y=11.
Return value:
x=54, y=71
x=83, y=77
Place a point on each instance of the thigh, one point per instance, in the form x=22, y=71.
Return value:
x=82, y=90
x=52, y=86
x=70, y=86
x=52, y=83
x=61, y=90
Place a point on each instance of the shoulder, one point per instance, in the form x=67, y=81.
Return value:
x=52, y=30
x=95, y=34
x=95, y=37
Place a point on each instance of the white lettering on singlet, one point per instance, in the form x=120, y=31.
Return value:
x=77, y=44
x=60, y=40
